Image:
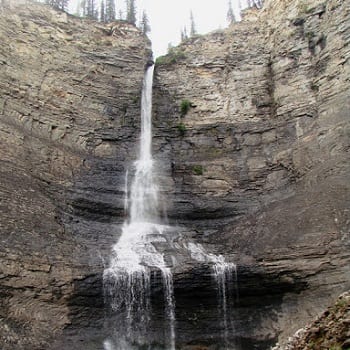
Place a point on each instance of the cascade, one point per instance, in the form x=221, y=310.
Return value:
x=127, y=280
x=223, y=274
x=135, y=259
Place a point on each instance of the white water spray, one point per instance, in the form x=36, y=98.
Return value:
x=128, y=277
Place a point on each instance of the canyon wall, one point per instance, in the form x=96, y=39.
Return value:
x=69, y=115
x=256, y=168
x=260, y=160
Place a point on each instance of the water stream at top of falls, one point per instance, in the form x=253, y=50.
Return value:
x=136, y=259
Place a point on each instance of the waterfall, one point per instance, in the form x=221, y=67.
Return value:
x=224, y=273
x=136, y=259
x=225, y=277
x=127, y=280
x=126, y=196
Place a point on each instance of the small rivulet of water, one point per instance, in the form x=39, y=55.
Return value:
x=127, y=280
x=225, y=277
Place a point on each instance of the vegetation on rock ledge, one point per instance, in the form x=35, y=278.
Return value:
x=182, y=128
x=198, y=169
x=185, y=106
x=174, y=55
x=329, y=332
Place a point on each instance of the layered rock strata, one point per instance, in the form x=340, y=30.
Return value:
x=69, y=114
x=256, y=167
x=253, y=126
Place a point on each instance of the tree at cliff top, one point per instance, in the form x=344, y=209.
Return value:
x=184, y=35
x=91, y=9
x=110, y=11
x=102, y=11
x=230, y=14
x=58, y=4
x=255, y=3
x=131, y=11
x=144, y=23
x=193, y=25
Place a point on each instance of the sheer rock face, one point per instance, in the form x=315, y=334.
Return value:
x=260, y=161
x=69, y=107
x=257, y=169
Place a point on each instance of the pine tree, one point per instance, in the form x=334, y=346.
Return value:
x=110, y=11
x=193, y=25
x=258, y=3
x=230, y=14
x=144, y=24
x=82, y=8
x=102, y=12
x=131, y=11
x=255, y=3
x=184, y=35
x=58, y=4
x=91, y=9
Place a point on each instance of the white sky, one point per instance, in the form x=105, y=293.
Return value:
x=168, y=17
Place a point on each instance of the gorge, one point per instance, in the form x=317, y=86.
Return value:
x=255, y=169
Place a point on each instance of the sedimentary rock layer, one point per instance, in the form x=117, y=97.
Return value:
x=260, y=161
x=256, y=167
x=69, y=110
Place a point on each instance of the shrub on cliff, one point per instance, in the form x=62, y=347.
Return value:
x=185, y=106
x=198, y=169
x=182, y=128
x=174, y=55
x=58, y=4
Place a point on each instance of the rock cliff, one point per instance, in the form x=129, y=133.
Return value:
x=253, y=122
x=329, y=331
x=255, y=166
x=69, y=115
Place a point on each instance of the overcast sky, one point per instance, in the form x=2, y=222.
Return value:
x=168, y=17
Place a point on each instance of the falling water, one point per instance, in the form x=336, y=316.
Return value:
x=128, y=278
x=135, y=258
x=126, y=196
x=170, y=304
x=224, y=273
x=225, y=276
